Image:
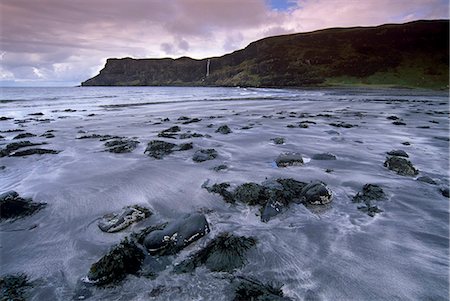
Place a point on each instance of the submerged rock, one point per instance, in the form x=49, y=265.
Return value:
x=401, y=166
x=224, y=129
x=316, y=193
x=34, y=151
x=123, y=259
x=220, y=167
x=368, y=193
x=14, y=287
x=246, y=289
x=13, y=206
x=278, y=140
x=426, y=179
x=224, y=253
x=370, y=209
x=289, y=159
x=202, y=155
x=221, y=189
x=170, y=132
x=324, y=156
x=177, y=235
x=121, y=145
x=398, y=153
x=158, y=149
x=115, y=222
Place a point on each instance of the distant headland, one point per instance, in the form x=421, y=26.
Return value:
x=414, y=55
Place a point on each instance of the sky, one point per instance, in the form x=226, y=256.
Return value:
x=62, y=43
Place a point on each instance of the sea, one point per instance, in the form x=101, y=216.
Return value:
x=338, y=252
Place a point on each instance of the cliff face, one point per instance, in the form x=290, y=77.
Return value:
x=413, y=54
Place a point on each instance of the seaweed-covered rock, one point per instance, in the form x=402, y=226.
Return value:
x=184, y=146
x=278, y=140
x=11, y=147
x=123, y=259
x=250, y=193
x=221, y=189
x=14, y=287
x=368, y=193
x=177, y=235
x=426, y=179
x=158, y=149
x=401, y=166
x=371, y=210
x=192, y=120
x=24, y=135
x=224, y=253
x=202, y=155
x=13, y=206
x=324, y=156
x=398, y=153
x=220, y=167
x=342, y=125
x=224, y=129
x=246, y=289
x=121, y=145
x=190, y=135
x=170, y=132
x=34, y=151
x=289, y=159
x=316, y=193
x=115, y=222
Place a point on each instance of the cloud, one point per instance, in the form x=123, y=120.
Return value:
x=69, y=41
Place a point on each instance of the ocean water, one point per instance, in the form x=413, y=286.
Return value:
x=338, y=253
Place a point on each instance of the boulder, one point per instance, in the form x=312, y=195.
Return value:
x=368, y=193
x=398, y=153
x=158, y=149
x=426, y=179
x=202, y=155
x=13, y=206
x=316, y=193
x=115, y=222
x=289, y=159
x=401, y=166
x=224, y=129
x=324, y=156
x=34, y=151
x=121, y=145
x=177, y=235
x=278, y=140
x=224, y=253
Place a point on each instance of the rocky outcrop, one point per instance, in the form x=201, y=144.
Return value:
x=13, y=206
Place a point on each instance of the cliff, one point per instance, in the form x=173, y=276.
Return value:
x=414, y=54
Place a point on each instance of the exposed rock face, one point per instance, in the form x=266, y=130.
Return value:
x=401, y=166
x=224, y=253
x=115, y=222
x=176, y=235
x=300, y=59
x=13, y=206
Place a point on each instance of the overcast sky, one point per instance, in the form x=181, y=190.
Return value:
x=58, y=42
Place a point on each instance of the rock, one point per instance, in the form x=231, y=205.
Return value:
x=48, y=135
x=342, y=125
x=170, y=132
x=406, y=143
x=177, y=235
x=368, y=193
x=316, y=193
x=204, y=155
x=278, y=140
x=426, y=179
x=445, y=192
x=224, y=129
x=220, y=167
x=24, y=135
x=14, y=287
x=224, y=253
x=398, y=153
x=246, y=289
x=393, y=117
x=398, y=123
x=289, y=159
x=115, y=222
x=123, y=259
x=4, y=118
x=13, y=206
x=220, y=189
x=34, y=151
x=370, y=210
x=324, y=156
x=192, y=120
x=120, y=146
x=401, y=166
x=250, y=194
x=184, y=146
x=97, y=136
x=158, y=149
x=15, y=146
x=190, y=135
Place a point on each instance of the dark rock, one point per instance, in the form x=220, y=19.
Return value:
x=324, y=156
x=316, y=193
x=370, y=209
x=401, y=166
x=13, y=206
x=158, y=149
x=170, y=132
x=220, y=167
x=36, y=114
x=246, y=289
x=368, y=193
x=426, y=179
x=220, y=189
x=329, y=170
x=123, y=259
x=15, y=146
x=48, y=135
x=70, y=110
x=398, y=123
x=278, y=140
x=190, y=135
x=289, y=159
x=398, y=153
x=445, y=192
x=406, y=143
x=393, y=117
x=34, y=151
x=4, y=118
x=177, y=235
x=192, y=120
x=184, y=146
x=115, y=222
x=342, y=125
x=224, y=253
x=224, y=129
x=97, y=136
x=183, y=118
x=250, y=194
x=121, y=145
x=204, y=155
x=24, y=135
x=14, y=287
